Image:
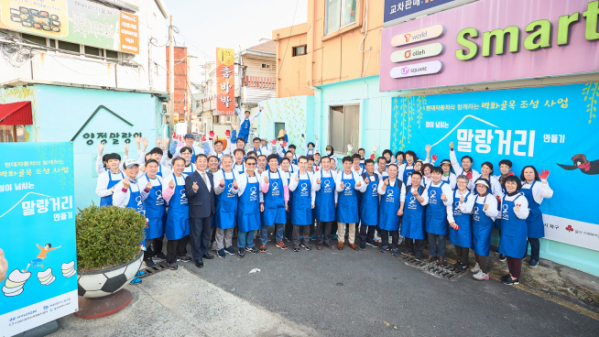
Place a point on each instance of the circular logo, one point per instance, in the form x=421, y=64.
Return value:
x=505, y=207
x=408, y=53
x=405, y=70
x=433, y=193
x=275, y=184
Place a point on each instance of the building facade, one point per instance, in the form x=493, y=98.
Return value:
x=76, y=87
x=402, y=75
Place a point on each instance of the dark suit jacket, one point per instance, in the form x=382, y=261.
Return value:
x=201, y=203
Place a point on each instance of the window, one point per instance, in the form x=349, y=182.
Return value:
x=301, y=50
x=278, y=128
x=93, y=51
x=344, y=127
x=339, y=13
x=12, y=133
x=69, y=46
x=265, y=66
x=34, y=39
x=113, y=55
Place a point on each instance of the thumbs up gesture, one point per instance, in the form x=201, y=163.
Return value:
x=415, y=192
x=318, y=181
x=486, y=207
x=126, y=183
x=149, y=185
x=443, y=197
x=359, y=184
x=222, y=182
x=462, y=199
x=195, y=186
x=266, y=180
x=517, y=209
x=387, y=182
x=366, y=181
x=296, y=178
x=451, y=145
x=235, y=183
x=342, y=185
x=171, y=184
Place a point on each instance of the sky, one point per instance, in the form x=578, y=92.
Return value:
x=205, y=25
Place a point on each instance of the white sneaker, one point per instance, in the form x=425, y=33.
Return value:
x=476, y=269
x=480, y=276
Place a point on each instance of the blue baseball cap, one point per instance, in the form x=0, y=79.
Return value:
x=189, y=135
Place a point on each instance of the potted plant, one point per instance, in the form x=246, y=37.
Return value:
x=108, y=257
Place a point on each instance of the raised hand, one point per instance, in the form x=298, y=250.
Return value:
x=342, y=185
x=266, y=180
x=316, y=137
x=451, y=145
x=517, y=209
x=126, y=183
x=100, y=148
x=158, y=141
x=149, y=185
x=435, y=158
x=387, y=182
x=428, y=148
x=212, y=134
x=126, y=146
x=443, y=197
x=137, y=139
x=233, y=125
x=462, y=198
x=372, y=156
x=195, y=186
x=222, y=182
x=359, y=184
x=349, y=148
x=543, y=175
x=415, y=192
x=261, y=108
x=296, y=178
x=203, y=138
x=366, y=181
x=144, y=142
x=318, y=181
x=228, y=133
x=171, y=184
x=273, y=142
x=235, y=183
x=284, y=144
x=486, y=207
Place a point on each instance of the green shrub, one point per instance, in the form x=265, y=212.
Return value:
x=107, y=236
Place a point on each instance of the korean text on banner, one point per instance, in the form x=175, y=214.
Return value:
x=129, y=33
x=225, y=81
x=37, y=218
x=553, y=128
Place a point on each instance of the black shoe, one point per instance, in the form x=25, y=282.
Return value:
x=306, y=247
x=208, y=256
x=460, y=266
x=159, y=257
x=241, y=253
x=505, y=277
x=149, y=263
x=199, y=263
x=418, y=257
x=173, y=266
x=221, y=253
x=509, y=281
x=407, y=252
x=252, y=250
x=501, y=257
x=372, y=244
x=183, y=258
x=296, y=250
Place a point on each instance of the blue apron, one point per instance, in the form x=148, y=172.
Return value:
x=274, y=203
x=436, y=211
x=290, y=202
x=347, y=210
x=512, y=241
x=242, y=168
x=155, y=212
x=412, y=225
x=248, y=214
x=369, y=209
x=482, y=228
x=226, y=206
x=177, y=218
x=362, y=163
x=244, y=130
x=135, y=201
x=107, y=200
x=389, y=206
x=463, y=236
x=498, y=221
x=193, y=155
x=407, y=174
x=534, y=222
x=159, y=171
x=301, y=213
x=325, y=199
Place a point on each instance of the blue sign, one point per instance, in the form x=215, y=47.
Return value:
x=396, y=9
x=553, y=128
x=37, y=218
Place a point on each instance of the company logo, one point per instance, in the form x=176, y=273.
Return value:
x=418, y=35
x=417, y=69
x=407, y=37
x=408, y=53
x=428, y=50
x=570, y=228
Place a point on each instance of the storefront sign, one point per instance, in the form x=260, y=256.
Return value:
x=428, y=50
x=495, y=40
x=398, y=11
x=417, y=69
x=417, y=35
x=225, y=81
x=548, y=127
x=37, y=200
x=77, y=21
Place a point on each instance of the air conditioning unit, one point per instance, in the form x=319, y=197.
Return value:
x=265, y=66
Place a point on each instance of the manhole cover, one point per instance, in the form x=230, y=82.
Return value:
x=158, y=267
x=447, y=272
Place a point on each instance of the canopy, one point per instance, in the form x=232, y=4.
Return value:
x=18, y=113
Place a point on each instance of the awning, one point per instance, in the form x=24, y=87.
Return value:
x=18, y=113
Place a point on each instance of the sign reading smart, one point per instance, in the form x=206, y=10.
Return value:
x=417, y=69
x=417, y=35
x=415, y=53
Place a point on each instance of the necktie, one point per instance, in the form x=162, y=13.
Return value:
x=205, y=180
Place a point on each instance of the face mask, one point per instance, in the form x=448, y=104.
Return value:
x=329, y=153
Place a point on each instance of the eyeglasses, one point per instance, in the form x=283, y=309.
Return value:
x=251, y=164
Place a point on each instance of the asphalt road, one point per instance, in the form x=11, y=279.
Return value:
x=367, y=293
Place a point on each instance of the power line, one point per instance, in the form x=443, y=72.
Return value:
x=288, y=39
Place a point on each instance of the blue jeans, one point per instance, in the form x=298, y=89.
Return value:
x=279, y=230
x=245, y=239
x=535, y=247
x=436, y=248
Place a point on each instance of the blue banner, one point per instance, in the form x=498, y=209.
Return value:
x=37, y=218
x=395, y=9
x=553, y=128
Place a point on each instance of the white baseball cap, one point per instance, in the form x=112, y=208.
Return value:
x=130, y=162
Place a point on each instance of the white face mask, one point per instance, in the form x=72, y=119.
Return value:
x=329, y=153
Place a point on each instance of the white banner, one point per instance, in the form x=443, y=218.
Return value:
x=577, y=233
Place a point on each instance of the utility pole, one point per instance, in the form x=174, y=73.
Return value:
x=171, y=74
x=188, y=101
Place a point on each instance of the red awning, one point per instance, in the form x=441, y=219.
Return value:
x=18, y=113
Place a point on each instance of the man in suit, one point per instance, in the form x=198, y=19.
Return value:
x=199, y=188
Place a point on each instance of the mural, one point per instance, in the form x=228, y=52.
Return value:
x=290, y=110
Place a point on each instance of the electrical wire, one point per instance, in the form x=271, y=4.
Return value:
x=288, y=39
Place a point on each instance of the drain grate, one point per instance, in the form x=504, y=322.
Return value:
x=158, y=267
x=447, y=272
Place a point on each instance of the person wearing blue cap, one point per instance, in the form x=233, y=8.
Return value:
x=189, y=142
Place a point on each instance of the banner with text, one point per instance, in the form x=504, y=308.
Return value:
x=37, y=218
x=225, y=81
x=553, y=128
x=77, y=21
